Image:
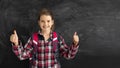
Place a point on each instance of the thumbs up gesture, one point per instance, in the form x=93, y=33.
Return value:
x=14, y=38
x=75, y=39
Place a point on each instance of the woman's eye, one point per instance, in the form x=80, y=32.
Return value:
x=42, y=21
x=48, y=21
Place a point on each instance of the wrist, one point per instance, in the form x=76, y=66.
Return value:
x=16, y=43
x=75, y=44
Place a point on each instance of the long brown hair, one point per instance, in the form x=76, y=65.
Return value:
x=46, y=11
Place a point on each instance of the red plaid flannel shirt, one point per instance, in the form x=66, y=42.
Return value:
x=41, y=54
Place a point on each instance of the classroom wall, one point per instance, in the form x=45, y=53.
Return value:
x=96, y=21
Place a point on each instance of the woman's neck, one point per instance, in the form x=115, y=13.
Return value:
x=46, y=32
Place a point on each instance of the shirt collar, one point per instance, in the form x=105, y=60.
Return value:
x=51, y=35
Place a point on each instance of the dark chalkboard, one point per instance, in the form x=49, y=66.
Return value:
x=96, y=21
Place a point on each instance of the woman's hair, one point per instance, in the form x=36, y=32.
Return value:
x=46, y=11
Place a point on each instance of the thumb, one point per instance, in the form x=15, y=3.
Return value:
x=15, y=32
x=75, y=33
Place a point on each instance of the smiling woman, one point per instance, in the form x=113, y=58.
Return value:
x=45, y=47
x=46, y=23
x=97, y=22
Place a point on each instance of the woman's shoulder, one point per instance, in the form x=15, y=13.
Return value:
x=58, y=34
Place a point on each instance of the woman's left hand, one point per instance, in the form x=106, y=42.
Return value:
x=75, y=39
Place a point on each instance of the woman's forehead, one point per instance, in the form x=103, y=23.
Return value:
x=45, y=17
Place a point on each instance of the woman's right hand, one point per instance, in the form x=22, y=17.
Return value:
x=14, y=38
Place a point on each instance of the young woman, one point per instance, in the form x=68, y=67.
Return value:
x=44, y=47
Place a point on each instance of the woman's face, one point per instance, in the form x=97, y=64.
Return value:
x=45, y=22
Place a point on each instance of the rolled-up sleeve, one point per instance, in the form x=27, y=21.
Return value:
x=23, y=52
x=66, y=51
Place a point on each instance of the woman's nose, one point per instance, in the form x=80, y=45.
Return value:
x=45, y=23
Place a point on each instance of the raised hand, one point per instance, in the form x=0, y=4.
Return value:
x=14, y=38
x=75, y=39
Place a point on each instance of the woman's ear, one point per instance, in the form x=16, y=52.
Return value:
x=38, y=21
x=52, y=22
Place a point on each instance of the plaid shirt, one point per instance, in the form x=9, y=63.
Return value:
x=41, y=53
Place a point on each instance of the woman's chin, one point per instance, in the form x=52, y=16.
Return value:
x=46, y=29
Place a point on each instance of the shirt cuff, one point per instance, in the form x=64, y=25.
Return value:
x=75, y=47
x=16, y=46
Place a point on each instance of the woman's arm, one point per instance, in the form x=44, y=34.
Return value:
x=23, y=52
x=66, y=51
